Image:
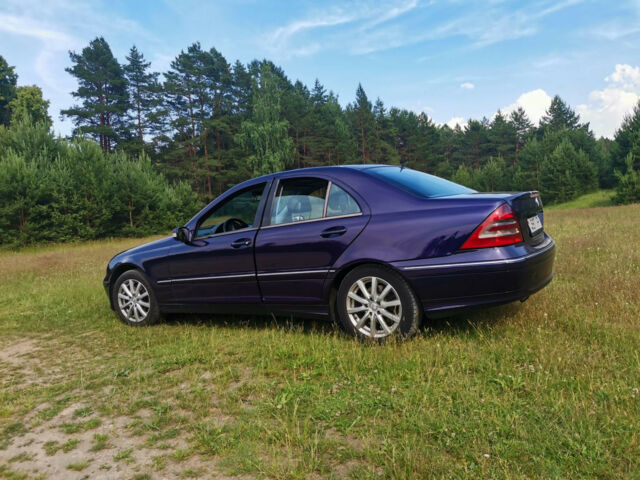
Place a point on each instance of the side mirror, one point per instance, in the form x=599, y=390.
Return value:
x=182, y=234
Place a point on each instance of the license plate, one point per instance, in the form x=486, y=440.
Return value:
x=534, y=224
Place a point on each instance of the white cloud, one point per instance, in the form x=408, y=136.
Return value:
x=48, y=30
x=289, y=40
x=467, y=86
x=607, y=107
x=535, y=103
x=625, y=75
x=457, y=121
x=53, y=43
x=362, y=28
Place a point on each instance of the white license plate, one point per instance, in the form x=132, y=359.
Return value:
x=534, y=224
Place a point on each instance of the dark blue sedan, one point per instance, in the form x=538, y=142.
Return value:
x=376, y=246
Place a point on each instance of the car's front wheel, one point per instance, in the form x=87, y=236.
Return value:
x=134, y=299
x=375, y=302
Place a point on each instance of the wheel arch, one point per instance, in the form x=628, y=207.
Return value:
x=344, y=271
x=115, y=274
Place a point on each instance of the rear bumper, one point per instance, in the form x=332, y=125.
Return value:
x=482, y=277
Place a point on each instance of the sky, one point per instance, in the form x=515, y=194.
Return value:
x=452, y=59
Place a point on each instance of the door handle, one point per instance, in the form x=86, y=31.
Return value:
x=333, y=232
x=241, y=242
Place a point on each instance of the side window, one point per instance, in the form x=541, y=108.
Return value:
x=341, y=203
x=235, y=213
x=299, y=199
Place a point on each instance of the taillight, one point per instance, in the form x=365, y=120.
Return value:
x=498, y=229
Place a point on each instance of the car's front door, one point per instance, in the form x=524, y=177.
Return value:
x=218, y=265
x=310, y=222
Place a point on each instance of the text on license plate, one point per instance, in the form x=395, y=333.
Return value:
x=534, y=224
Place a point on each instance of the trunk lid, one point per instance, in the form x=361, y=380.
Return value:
x=527, y=206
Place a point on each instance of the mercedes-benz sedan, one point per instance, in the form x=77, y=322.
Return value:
x=376, y=246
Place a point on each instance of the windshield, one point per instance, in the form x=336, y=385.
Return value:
x=418, y=183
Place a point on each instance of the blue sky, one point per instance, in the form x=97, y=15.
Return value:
x=452, y=59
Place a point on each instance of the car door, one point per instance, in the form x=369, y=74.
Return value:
x=308, y=224
x=218, y=266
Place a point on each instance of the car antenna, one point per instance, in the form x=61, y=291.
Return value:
x=403, y=162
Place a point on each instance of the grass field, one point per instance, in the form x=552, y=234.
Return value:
x=544, y=389
x=599, y=198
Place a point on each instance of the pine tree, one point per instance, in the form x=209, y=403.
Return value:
x=523, y=128
x=265, y=136
x=476, y=141
x=363, y=123
x=8, y=80
x=567, y=173
x=102, y=90
x=559, y=115
x=143, y=89
x=626, y=138
x=503, y=138
x=183, y=98
x=318, y=94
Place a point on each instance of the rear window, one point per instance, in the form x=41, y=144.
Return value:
x=418, y=183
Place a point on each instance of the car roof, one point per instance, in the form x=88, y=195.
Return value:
x=326, y=169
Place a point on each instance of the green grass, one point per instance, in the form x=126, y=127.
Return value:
x=544, y=389
x=600, y=198
x=79, y=466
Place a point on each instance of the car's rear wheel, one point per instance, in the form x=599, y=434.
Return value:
x=374, y=302
x=134, y=299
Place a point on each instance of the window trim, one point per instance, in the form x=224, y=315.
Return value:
x=324, y=211
x=310, y=221
x=257, y=216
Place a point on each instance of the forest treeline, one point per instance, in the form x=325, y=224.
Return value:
x=189, y=133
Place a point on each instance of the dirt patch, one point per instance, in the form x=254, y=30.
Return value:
x=35, y=361
x=17, y=363
x=106, y=451
x=15, y=353
x=348, y=440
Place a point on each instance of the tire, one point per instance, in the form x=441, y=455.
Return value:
x=144, y=310
x=399, y=308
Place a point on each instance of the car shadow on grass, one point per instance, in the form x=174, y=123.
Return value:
x=469, y=323
x=472, y=322
x=257, y=322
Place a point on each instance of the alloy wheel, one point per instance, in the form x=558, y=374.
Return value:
x=133, y=300
x=374, y=307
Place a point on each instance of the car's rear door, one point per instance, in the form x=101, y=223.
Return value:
x=308, y=223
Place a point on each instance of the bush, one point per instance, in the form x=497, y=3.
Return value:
x=55, y=190
x=628, y=188
x=566, y=174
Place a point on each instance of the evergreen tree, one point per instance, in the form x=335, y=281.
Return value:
x=464, y=176
x=362, y=123
x=264, y=136
x=476, y=141
x=28, y=102
x=102, y=90
x=523, y=127
x=625, y=138
x=8, y=80
x=503, y=138
x=183, y=92
x=628, y=188
x=143, y=89
x=567, y=173
x=318, y=94
x=559, y=115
